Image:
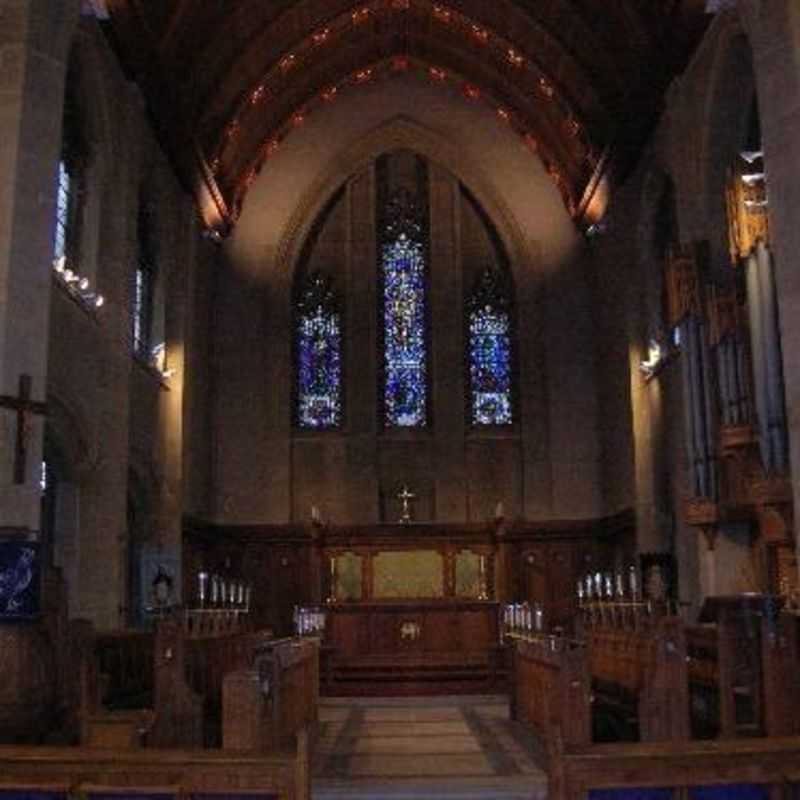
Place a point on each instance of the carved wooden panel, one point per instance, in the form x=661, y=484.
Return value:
x=397, y=647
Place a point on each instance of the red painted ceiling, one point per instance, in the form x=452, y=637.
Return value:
x=581, y=81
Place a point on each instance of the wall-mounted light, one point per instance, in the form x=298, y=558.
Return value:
x=159, y=361
x=660, y=352
x=77, y=286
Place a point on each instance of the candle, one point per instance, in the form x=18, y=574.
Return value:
x=202, y=579
x=633, y=581
x=620, y=587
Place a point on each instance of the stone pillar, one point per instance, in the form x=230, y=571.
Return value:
x=34, y=42
x=447, y=335
x=773, y=27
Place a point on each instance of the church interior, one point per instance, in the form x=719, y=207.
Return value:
x=397, y=399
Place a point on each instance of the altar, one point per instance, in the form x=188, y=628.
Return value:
x=412, y=647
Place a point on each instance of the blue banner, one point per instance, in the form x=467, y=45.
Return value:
x=31, y=793
x=20, y=580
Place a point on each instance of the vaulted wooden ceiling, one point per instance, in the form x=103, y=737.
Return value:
x=581, y=81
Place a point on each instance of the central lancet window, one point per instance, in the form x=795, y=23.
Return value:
x=403, y=278
x=319, y=355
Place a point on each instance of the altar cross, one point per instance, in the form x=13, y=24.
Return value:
x=405, y=497
x=25, y=407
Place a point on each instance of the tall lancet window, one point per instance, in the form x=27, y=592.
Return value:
x=70, y=181
x=64, y=201
x=144, y=284
x=319, y=355
x=403, y=279
x=489, y=357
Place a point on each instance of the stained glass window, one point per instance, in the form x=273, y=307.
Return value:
x=490, y=369
x=144, y=284
x=404, y=340
x=64, y=200
x=319, y=356
x=70, y=181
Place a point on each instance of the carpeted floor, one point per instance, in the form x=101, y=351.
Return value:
x=458, y=748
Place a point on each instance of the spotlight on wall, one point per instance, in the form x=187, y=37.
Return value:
x=213, y=235
x=660, y=351
x=77, y=286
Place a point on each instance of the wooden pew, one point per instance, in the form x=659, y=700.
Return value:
x=125, y=660
x=743, y=675
x=643, y=668
x=271, y=704
x=94, y=724
x=680, y=766
x=550, y=691
x=162, y=689
x=202, y=774
x=208, y=660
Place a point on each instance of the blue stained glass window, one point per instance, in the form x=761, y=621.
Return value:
x=404, y=345
x=490, y=353
x=64, y=199
x=319, y=356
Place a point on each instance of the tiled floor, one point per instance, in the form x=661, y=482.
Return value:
x=421, y=748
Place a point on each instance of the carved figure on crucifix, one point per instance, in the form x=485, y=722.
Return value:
x=405, y=496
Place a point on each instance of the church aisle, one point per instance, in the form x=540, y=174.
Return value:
x=457, y=748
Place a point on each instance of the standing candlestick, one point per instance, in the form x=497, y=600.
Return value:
x=332, y=591
x=202, y=584
x=633, y=582
x=482, y=593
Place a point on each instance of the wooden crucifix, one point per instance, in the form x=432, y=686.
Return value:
x=25, y=407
